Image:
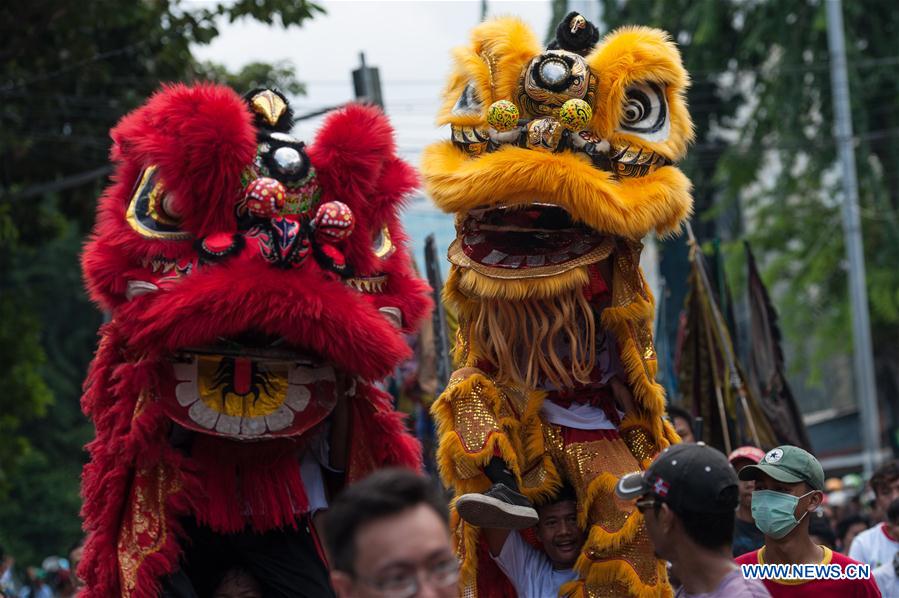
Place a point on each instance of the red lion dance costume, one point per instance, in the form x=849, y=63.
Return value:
x=256, y=287
x=561, y=160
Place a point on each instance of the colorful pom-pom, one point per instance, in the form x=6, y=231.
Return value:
x=334, y=220
x=575, y=114
x=502, y=115
x=265, y=197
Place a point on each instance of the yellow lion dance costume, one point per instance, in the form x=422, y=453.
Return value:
x=561, y=160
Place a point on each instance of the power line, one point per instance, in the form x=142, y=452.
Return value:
x=74, y=180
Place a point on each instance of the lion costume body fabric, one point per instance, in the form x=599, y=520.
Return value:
x=561, y=160
x=253, y=285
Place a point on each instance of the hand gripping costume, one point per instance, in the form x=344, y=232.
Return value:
x=255, y=286
x=560, y=161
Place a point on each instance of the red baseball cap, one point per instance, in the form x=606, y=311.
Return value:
x=753, y=453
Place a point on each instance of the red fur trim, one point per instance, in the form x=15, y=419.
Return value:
x=379, y=437
x=308, y=309
x=354, y=157
x=405, y=290
x=201, y=138
x=255, y=482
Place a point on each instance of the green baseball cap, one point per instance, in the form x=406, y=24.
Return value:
x=787, y=464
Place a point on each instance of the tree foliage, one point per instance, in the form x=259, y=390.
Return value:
x=764, y=164
x=70, y=70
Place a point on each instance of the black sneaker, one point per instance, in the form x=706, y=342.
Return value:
x=499, y=508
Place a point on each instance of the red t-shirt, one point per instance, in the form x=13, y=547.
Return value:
x=816, y=588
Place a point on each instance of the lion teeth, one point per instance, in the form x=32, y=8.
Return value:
x=228, y=424
x=252, y=426
x=297, y=397
x=279, y=419
x=202, y=415
x=135, y=288
x=370, y=285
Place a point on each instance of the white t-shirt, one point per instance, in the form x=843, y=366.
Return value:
x=886, y=579
x=874, y=546
x=580, y=416
x=530, y=570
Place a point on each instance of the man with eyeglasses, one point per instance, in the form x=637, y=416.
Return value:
x=388, y=537
x=688, y=498
x=789, y=485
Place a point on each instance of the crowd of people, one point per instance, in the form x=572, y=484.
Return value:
x=55, y=578
x=708, y=515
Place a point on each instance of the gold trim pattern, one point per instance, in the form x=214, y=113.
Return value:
x=385, y=246
x=151, y=189
x=144, y=530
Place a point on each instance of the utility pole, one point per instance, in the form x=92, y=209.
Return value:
x=866, y=389
x=367, y=83
x=432, y=265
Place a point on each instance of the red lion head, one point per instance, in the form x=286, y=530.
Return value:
x=250, y=279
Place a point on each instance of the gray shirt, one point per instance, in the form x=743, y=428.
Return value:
x=734, y=585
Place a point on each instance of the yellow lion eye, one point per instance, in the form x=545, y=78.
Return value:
x=645, y=112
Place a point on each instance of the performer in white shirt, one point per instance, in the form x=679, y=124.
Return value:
x=539, y=573
x=878, y=545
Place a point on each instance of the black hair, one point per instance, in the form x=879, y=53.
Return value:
x=885, y=475
x=845, y=523
x=382, y=494
x=675, y=411
x=565, y=493
x=893, y=512
x=709, y=530
x=820, y=526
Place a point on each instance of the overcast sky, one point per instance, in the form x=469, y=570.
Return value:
x=409, y=42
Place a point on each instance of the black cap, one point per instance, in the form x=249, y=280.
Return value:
x=687, y=477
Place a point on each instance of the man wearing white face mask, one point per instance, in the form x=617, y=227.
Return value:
x=789, y=484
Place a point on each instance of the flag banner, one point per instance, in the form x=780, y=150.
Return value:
x=710, y=377
x=766, y=362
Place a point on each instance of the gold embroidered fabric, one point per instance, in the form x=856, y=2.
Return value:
x=144, y=529
x=473, y=419
x=639, y=442
x=638, y=554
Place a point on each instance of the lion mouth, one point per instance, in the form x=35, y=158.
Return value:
x=526, y=240
x=250, y=387
x=252, y=345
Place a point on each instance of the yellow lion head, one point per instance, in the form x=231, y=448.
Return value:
x=559, y=158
